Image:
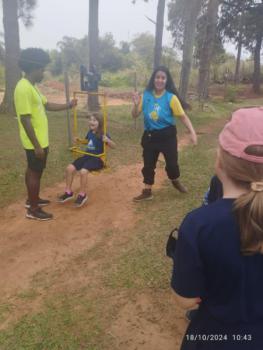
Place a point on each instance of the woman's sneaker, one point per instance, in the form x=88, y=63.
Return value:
x=38, y=214
x=146, y=195
x=65, y=197
x=41, y=203
x=80, y=201
x=179, y=186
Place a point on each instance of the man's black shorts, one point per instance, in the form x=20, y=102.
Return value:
x=34, y=163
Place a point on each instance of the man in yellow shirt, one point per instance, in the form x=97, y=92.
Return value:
x=31, y=108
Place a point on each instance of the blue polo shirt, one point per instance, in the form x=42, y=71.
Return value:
x=208, y=264
x=160, y=111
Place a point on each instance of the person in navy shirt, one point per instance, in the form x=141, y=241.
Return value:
x=94, y=145
x=160, y=105
x=214, y=192
x=218, y=262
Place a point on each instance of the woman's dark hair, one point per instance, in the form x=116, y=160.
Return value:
x=170, y=86
x=32, y=59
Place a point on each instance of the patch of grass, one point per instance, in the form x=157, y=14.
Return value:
x=67, y=323
x=29, y=294
x=5, y=309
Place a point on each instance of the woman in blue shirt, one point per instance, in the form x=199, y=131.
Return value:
x=218, y=262
x=160, y=105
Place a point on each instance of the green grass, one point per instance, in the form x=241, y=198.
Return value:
x=82, y=298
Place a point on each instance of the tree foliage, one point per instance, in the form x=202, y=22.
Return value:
x=25, y=11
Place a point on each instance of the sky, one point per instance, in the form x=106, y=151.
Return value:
x=57, y=18
x=54, y=19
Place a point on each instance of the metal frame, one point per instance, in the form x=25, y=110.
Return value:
x=76, y=149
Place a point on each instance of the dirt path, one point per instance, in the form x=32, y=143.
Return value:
x=28, y=247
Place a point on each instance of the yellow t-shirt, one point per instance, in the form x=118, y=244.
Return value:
x=29, y=101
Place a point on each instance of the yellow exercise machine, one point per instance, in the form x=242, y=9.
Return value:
x=76, y=150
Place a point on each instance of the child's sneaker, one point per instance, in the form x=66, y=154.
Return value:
x=38, y=214
x=41, y=203
x=179, y=186
x=65, y=197
x=80, y=200
x=146, y=195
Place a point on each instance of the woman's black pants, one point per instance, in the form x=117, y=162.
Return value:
x=155, y=142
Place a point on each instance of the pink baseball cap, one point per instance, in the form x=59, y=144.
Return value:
x=244, y=129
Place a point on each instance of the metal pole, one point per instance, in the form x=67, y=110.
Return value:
x=66, y=84
x=135, y=90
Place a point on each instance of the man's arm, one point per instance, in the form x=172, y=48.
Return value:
x=26, y=122
x=55, y=107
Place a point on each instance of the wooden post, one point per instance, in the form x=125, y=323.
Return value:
x=66, y=84
x=135, y=90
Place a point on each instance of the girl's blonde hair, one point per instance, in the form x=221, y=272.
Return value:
x=99, y=117
x=249, y=206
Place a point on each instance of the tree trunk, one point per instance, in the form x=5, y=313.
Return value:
x=189, y=36
x=159, y=33
x=238, y=60
x=257, y=75
x=207, y=49
x=93, y=101
x=239, y=47
x=12, y=51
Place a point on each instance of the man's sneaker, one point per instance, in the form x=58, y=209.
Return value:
x=80, y=201
x=146, y=195
x=41, y=203
x=38, y=214
x=179, y=186
x=65, y=197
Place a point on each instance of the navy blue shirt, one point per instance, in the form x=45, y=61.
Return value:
x=95, y=143
x=208, y=264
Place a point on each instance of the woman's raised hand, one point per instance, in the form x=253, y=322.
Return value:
x=136, y=98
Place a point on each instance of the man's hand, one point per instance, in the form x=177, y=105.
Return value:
x=72, y=103
x=39, y=152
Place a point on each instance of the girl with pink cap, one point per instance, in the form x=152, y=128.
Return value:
x=218, y=262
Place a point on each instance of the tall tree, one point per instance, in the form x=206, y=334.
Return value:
x=12, y=49
x=159, y=25
x=231, y=26
x=241, y=21
x=255, y=24
x=159, y=33
x=188, y=45
x=207, y=49
x=93, y=101
x=182, y=20
x=12, y=11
